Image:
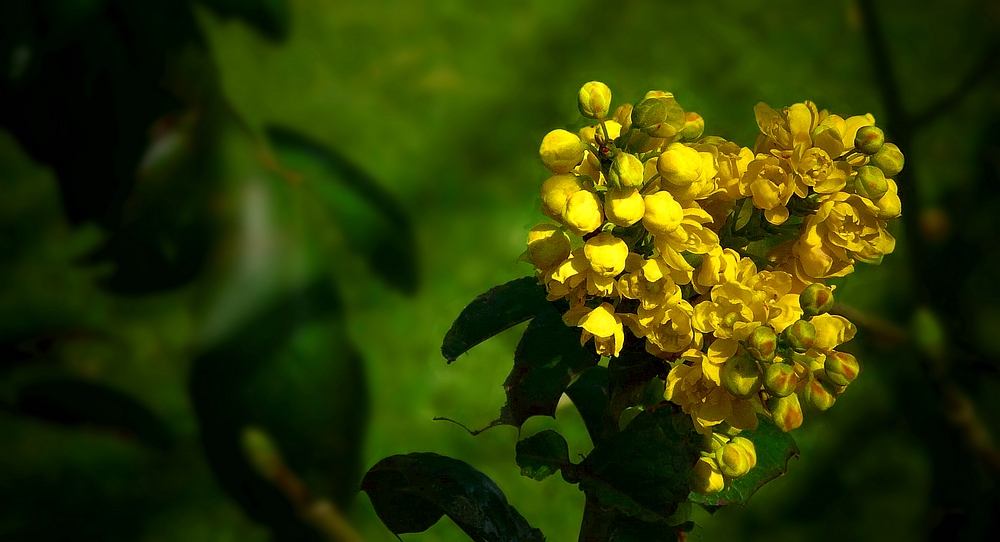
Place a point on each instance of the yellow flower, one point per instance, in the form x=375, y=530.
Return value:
x=547, y=246
x=556, y=191
x=817, y=169
x=561, y=151
x=690, y=236
x=707, y=478
x=584, y=212
x=589, y=134
x=708, y=403
x=624, y=206
x=663, y=213
x=679, y=165
x=602, y=324
x=831, y=331
x=717, y=267
x=606, y=254
x=771, y=185
x=626, y=171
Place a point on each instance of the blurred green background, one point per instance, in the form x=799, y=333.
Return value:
x=223, y=214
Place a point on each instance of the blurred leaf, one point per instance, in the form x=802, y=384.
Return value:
x=542, y=454
x=270, y=17
x=75, y=402
x=590, y=396
x=657, y=474
x=547, y=358
x=411, y=492
x=498, y=309
x=373, y=222
x=774, y=448
x=292, y=372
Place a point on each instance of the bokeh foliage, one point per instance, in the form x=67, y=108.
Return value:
x=443, y=104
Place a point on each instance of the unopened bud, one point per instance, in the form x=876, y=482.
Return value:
x=870, y=183
x=841, y=368
x=816, y=299
x=737, y=457
x=762, y=343
x=584, y=212
x=624, y=206
x=663, y=213
x=800, y=336
x=561, y=151
x=707, y=476
x=626, y=171
x=780, y=379
x=694, y=126
x=869, y=139
x=556, y=191
x=679, y=164
x=817, y=395
x=741, y=376
x=594, y=100
x=547, y=245
x=889, y=159
x=659, y=117
x=786, y=412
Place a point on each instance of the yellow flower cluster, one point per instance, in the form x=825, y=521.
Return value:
x=663, y=235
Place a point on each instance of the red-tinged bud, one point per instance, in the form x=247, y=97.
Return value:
x=762, y=343
x=889, y=159
x=817, y=395
x=780, y=379
x=841, y=368
x=816, y=299
x=737, y=457
x=869, y=139
x=786, y=412
x=800, y=336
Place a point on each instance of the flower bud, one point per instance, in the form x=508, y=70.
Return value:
x=762, y=343
x=624, y=206
x=707, y=476
x=869, y=139
x=659, y=117
x=816, y=299
x=786, y=412
x=561, y=151
x=584, y=212
x=623, y=116
x=780, y=379
x=679, y=164
x=626, y=171
x=870, y=183
x=800, y=336
x=889, y=159
x=741, y=376
x=663, y=213
x=694, y=126
x=841, y=368
x=606, y=254
x=547, y=245
x=594, y=100
x=556, y=191
x=817, y=395
x=737, y=457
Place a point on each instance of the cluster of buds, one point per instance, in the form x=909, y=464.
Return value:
x=716, y=255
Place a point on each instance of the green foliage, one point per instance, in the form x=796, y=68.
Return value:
x=542, y=454
x=412, y=492
x=498, y=309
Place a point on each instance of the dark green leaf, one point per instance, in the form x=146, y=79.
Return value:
x=547, y=358
x=411, y=492
x=774, y=448
x=629, y=377
x=293, y=373
x=590, y=396
x=498, y=309
x=542, y=454
x=657, y=473
x=75, y=402
x=372, y=221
